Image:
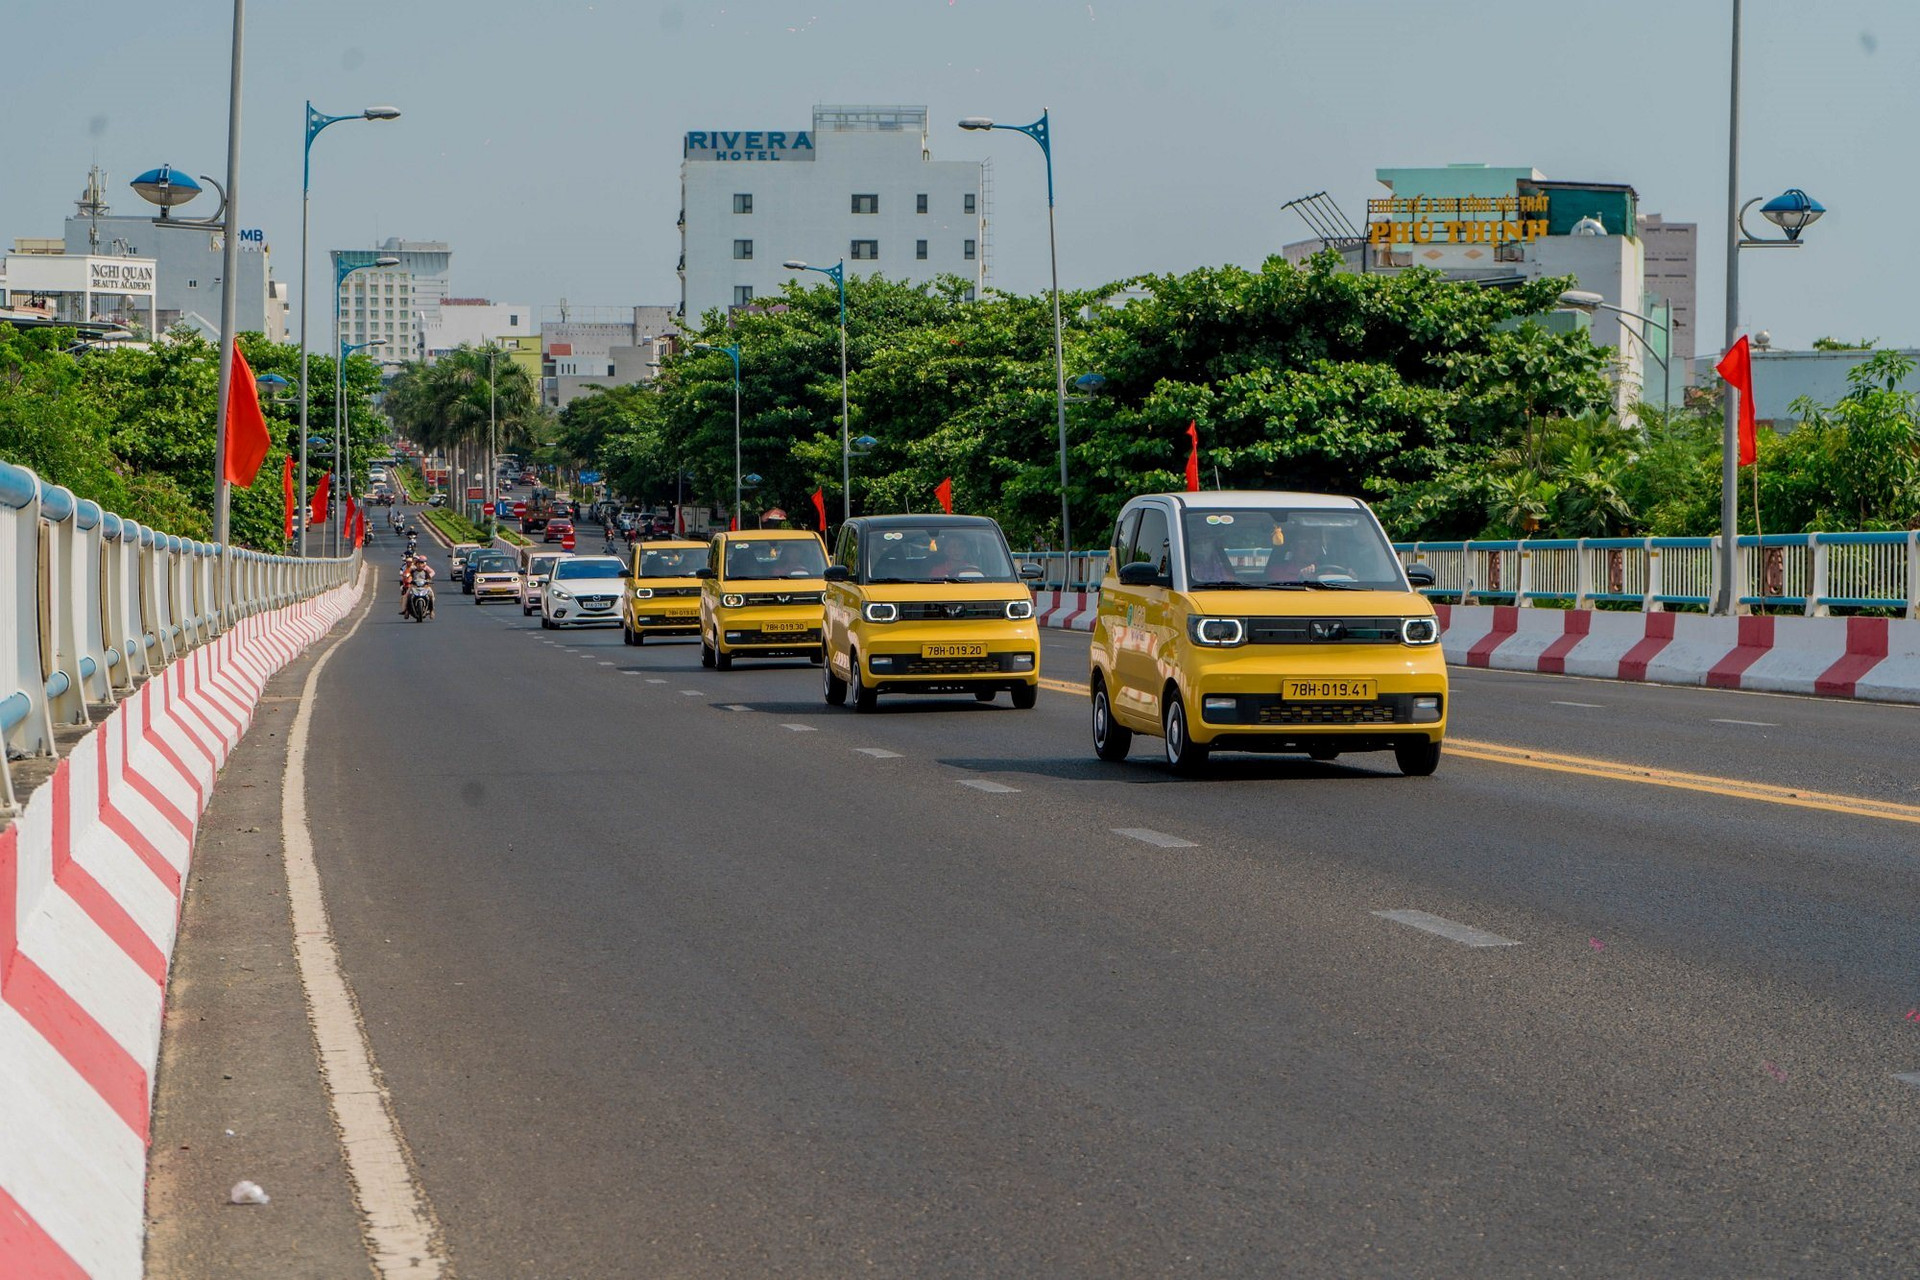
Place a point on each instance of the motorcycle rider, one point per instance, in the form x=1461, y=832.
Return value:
x=408, y=568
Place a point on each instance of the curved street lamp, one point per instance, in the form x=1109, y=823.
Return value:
x=733, y=354
x=1041, y=131
x=1584, y=300
x=316, y=121
x=838, y=274
x=340, y=274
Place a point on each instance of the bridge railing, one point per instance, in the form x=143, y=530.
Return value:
x=1814, y=573
x=1059, y=573
x=91, y=603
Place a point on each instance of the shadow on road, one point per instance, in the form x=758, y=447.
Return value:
x=1149, y=769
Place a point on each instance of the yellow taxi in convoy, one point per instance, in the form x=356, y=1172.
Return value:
x=1264, y=622
x=928, y=604
x=760, y=596
x=663, y=593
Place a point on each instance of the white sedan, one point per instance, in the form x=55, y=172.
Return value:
x=584, y=591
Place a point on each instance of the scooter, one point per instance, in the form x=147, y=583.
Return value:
x=419, y=598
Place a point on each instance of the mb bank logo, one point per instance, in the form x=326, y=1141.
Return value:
x=748, y=144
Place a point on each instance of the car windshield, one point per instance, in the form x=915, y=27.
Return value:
x=764, y=559
x=938, y=553
x=673, y=563
x=568, y=569
x=491, y=563
x=1289, y=548
x=542, y=564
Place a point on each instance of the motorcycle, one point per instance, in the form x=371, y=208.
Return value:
x=419, y=597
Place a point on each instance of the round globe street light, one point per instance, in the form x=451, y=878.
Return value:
x=316, y=121
x=1793, y=211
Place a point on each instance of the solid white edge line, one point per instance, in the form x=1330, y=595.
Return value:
x=1590, y=706
x=1751, y=724
x=1452, y=930
x=403, y=1236
x=1158, y=839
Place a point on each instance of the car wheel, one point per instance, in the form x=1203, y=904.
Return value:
x=722, y=660
x=706, y=651
x=1417, y=759
x=1025, y=696
x=639, y=638
x=818, y=657
x=546, y=624
x=984, y=695
x=832, y=687
x=1111, y=740
x=865, y=699
x=1184, y=755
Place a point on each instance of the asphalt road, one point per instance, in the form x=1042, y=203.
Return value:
x=681, y=972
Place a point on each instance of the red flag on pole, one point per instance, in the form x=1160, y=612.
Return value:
x=247, y=437
x=317, y=512
x=286, y=494
x=359, y=527
x=350, y=519
x=1737, y=368
x=944, y=492
x=820, y=507
x=1193, y=458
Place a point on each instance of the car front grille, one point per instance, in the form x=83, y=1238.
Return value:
x=783, y=597
x=595, y=602
x=951, y=667
x=954, y=611
x=1323, y=631
x=1330, y=713
x=792, y=639
x=664, y=593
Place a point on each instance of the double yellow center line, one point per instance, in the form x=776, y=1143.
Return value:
x=1648, y=775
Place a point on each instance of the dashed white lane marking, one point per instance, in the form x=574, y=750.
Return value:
x=982, y=784
x=1751, y=724
x=1908, y=1077
x=1158, y=839
x=606, y=664
x=1591, y=706
x=401, y=1232
x=693, y=693
x=632, y=673
x=1464, y=934
x=735, y=706
x=654, y=680
x=878, y=753
x=800, y=728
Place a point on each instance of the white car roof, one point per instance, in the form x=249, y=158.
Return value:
x=1244, y=499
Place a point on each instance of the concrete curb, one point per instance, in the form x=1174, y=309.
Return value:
x=91, y=878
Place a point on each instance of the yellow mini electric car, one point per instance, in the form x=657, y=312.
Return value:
x=1264, y=622
x=928, y=604
x=663, y=595
x=760, y=596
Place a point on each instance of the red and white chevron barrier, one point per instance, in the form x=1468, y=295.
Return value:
x=1872, y=658
x=1066, y=610
x=91, y=876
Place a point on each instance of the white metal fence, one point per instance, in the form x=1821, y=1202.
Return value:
x=1813, y=573
x=91, y=603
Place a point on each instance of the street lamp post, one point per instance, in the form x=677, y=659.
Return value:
x=1041, y=132
x=1582, y=300
x=838, y=274
x=316, y=121
x=342, y=454
x=1792, y=211
x=493, y=440
x=733, y=354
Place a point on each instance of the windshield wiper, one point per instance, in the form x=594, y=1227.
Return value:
x=1231, y=584
x=893, y=581
x=1317, y=584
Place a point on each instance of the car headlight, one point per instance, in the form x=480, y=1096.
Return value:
x=643, y=593
x=1019, y=610
x=1217, y=633
x=880, y=611
x=561, y=593
x=1420, y=630
x=732, y=601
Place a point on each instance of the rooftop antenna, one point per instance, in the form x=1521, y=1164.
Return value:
x=92, y=203
x=563, y=311
x=1328, y=222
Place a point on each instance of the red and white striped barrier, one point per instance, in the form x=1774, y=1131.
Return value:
x=91, y=876
x=1066, y=610
x=1873, y=658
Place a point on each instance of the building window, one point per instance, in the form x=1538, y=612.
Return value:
x=866, y=204
x=920, y=250
x=513, y=321
x=743, y=202
x=967, y=249
x=969, y=203
x=742, y=294
x=865, y=250
x=920, y=203
x=970, y=293
x=743, y=250
x=193, y=284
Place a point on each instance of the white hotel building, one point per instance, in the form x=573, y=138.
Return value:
x=859, y=185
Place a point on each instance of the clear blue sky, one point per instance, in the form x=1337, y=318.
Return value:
x=542, y=137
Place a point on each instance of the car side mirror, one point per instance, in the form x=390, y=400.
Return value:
x=1420, y=575
x=1031, y=572
x=838, y=573
x=1141, y=573
x=703, y=573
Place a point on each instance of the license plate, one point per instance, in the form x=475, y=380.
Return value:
x=783, y=628
x=1329, y=691
x=953, y=651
